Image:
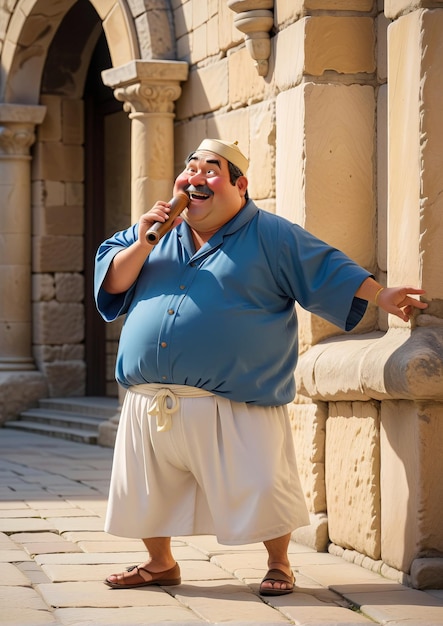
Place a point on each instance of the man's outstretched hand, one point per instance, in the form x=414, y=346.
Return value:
x=395, y=300
x=398, y=301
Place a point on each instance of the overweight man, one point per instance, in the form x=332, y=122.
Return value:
x=207, y=354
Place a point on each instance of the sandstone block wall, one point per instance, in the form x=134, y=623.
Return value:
x=353, y=476
x=323, y=119
x=57, y=247
x=308, y=421
x=411, y=463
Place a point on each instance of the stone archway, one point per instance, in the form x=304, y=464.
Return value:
x=74, y=153
x=29, y=35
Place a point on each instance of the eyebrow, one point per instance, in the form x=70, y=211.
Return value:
x=193, y=157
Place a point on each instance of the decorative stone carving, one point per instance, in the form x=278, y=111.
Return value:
x=147, y=86
x=16, y=138
x=17, y=124
x=148, y=90
x=255, y=19
x=148, y=98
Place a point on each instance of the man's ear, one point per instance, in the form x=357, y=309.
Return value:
x=242, y=184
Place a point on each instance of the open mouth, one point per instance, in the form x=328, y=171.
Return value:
x=197, y=195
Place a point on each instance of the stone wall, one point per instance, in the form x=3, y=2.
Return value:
x=315, y=134
x=58, y=228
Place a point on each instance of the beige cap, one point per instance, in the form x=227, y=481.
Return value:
x=229, y=151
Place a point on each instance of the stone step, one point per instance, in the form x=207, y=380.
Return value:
x=75, y=419
x=89, y=405
x=71, y=434
x=61, y=418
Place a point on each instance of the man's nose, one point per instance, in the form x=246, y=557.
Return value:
x=196, y=178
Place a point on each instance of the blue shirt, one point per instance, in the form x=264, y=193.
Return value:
x=223, y=318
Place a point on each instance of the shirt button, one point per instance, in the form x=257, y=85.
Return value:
x=171, y=311
x=163, y=344
x=182, y=287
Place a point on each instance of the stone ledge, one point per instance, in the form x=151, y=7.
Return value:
x=315, y=535
x=19, y=391
x=107, y=431
x=401, y=364
x=145, y=70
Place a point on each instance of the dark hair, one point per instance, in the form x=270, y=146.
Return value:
x=234, y=173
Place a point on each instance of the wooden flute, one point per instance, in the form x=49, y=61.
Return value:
x=159, y=229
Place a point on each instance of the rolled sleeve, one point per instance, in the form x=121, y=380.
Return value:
x=111, y=306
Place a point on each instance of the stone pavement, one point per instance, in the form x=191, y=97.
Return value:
x=54, y=556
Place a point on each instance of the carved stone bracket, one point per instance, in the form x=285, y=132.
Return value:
x=255, y=19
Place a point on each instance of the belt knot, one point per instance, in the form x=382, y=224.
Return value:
x=163, y=405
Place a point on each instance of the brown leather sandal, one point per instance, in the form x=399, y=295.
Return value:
x=167, y=578
x=277, y=576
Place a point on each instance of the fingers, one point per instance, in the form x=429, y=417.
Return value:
x=405, y=313
x=408, y=304
x=413, y=290
x=418, y=304
x=158, y=213
x=399, y=301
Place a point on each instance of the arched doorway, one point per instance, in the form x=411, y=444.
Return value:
x=107, y=209
x=66, y=144
x=72, y=75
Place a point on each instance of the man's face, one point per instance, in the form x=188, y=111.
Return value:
x=214, y=200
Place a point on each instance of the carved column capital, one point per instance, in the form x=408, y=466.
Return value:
x=16, y=139
x=148, y=97
x=147, y=86
x=17, y=127
x=149, y=90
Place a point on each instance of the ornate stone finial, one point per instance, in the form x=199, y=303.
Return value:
x=255, y=19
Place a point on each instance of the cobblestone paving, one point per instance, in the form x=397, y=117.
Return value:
x=54, y=556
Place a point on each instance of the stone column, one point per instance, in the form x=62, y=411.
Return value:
x=17, y=124
x=148, y=90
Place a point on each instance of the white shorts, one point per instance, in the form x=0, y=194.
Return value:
x=218, y=467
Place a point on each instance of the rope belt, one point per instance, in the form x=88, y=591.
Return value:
x=165, y=400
